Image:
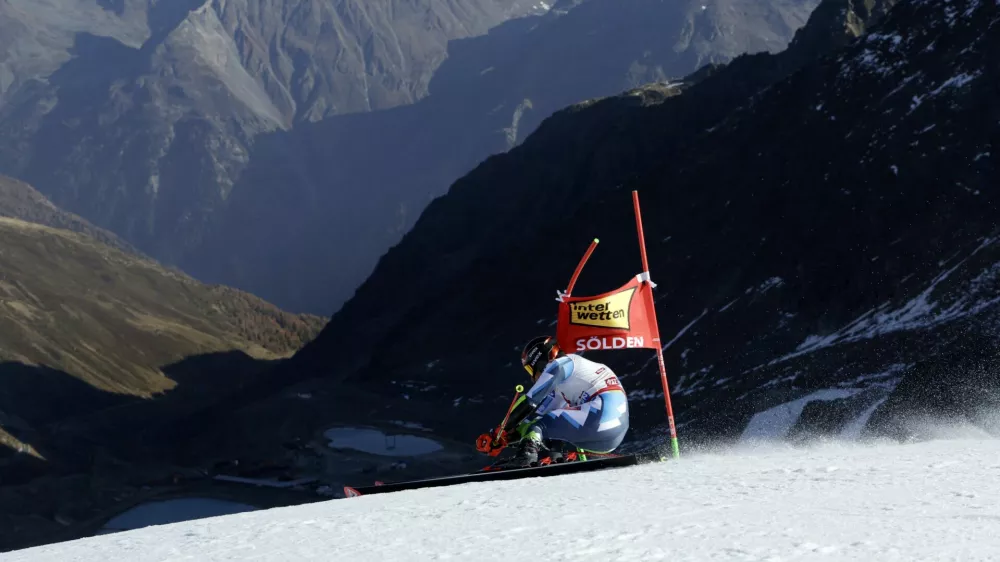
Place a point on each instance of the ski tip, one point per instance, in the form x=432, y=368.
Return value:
x=350, y=492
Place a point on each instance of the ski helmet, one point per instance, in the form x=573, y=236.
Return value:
x=537, y=353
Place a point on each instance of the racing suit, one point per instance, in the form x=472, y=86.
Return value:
x=574, y=400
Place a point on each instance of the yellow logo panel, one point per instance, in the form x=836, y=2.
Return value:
x=611, y=311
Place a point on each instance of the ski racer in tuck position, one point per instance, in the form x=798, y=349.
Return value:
x=573, y=400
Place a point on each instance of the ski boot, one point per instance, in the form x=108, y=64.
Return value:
x=526, y=456
x=527, y=453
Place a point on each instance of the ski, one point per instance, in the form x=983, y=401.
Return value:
x=572, y=456
x=489, y=475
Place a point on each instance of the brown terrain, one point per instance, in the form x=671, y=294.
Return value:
x=99, y=346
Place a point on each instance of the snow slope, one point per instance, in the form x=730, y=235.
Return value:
x=934, y=500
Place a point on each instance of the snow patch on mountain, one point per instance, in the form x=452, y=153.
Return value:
x=775, y=423
x=921, y=312
x=684, y=330
x=853, y=430
x=886, y=379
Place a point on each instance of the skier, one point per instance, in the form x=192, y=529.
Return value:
x=573, y=400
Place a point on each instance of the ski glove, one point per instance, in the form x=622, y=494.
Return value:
x=492, y=443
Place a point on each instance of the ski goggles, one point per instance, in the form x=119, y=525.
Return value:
x=530, y=369
x=529, y=360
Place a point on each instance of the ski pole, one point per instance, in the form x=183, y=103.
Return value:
x=517, y=392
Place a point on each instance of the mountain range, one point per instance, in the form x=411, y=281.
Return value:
x=139, y=115
x=248, y=141
x=820, y=221
x=87, y=325
x=367, y=177
x=212, y=135
x=19, y=200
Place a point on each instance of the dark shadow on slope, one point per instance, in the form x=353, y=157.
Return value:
x=153, y=430
x=99, y=447
x=72, y=423
x=34, y=403
x=257, y=380
x=41, y=395
x=206, y=387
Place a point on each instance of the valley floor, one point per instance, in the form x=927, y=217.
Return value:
x=934, y=500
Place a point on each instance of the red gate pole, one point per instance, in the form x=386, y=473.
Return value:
x=675, y=449
x=579, y=267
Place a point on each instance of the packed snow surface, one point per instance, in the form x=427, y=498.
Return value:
x=375, y=442
x=934, y=500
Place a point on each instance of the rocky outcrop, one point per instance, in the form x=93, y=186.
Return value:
x=829, y=232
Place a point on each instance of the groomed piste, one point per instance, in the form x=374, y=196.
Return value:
x=933, y=500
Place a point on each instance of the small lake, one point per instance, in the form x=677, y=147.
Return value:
x=163, y=512
x=375, y=442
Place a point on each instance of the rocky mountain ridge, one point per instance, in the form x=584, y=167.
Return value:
x=602, y=143
x=19, y=200
x=86, y=327
x=139, y=115
x=827, y=239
